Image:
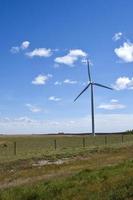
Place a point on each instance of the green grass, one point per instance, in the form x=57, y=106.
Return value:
x=35, y=146
x=108, y=183
x=97, y=171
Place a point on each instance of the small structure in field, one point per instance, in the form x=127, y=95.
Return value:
x=61, y=133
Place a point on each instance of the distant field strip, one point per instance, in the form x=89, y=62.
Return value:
x=28, y=146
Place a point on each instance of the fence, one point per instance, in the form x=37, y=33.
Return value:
x=37, y=145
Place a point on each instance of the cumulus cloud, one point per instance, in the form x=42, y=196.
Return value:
x=40, y=52
x=123, y=83
x=24, y=45
x=112, y=105
x=33, y=108
x=117, y=36
x=41, y=79
x=68, y=81
x=71, y=57
x=125, y=52
x=53, y=98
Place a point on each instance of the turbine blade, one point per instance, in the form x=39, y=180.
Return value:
x=104, y=86
x=89, y=74
x=82, y=92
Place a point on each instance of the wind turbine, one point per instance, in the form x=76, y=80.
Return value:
x=91, y=84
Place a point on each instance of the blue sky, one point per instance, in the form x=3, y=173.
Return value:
x=43, y=46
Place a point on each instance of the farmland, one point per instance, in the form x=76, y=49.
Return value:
x=21, y=147
x=66, y=167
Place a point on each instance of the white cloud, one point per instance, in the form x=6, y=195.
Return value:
x=123, y=83
x=68, y=81
x=57, y=83
x=33, y=108
x=40, y=52
x=117, y=36
x=77, y=52
x=41, y=79
x=50, y=75
x=15, y=50
x=25, y=45
x=71, y=57
x=114, y=100
x=22, y=120
x=125, y=52
x=53, y=98
x=67, y=60
x=112, y=105
x=104, y=123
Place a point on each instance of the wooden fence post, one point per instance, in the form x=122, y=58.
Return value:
x=122, y=138
x=15, y=148
x=83, y=142
x=55, y=144
x=105, y=139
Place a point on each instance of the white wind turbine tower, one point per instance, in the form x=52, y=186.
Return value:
x=91, y=84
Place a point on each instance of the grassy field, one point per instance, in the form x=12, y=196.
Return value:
x=29, y=146
x=97, y=168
